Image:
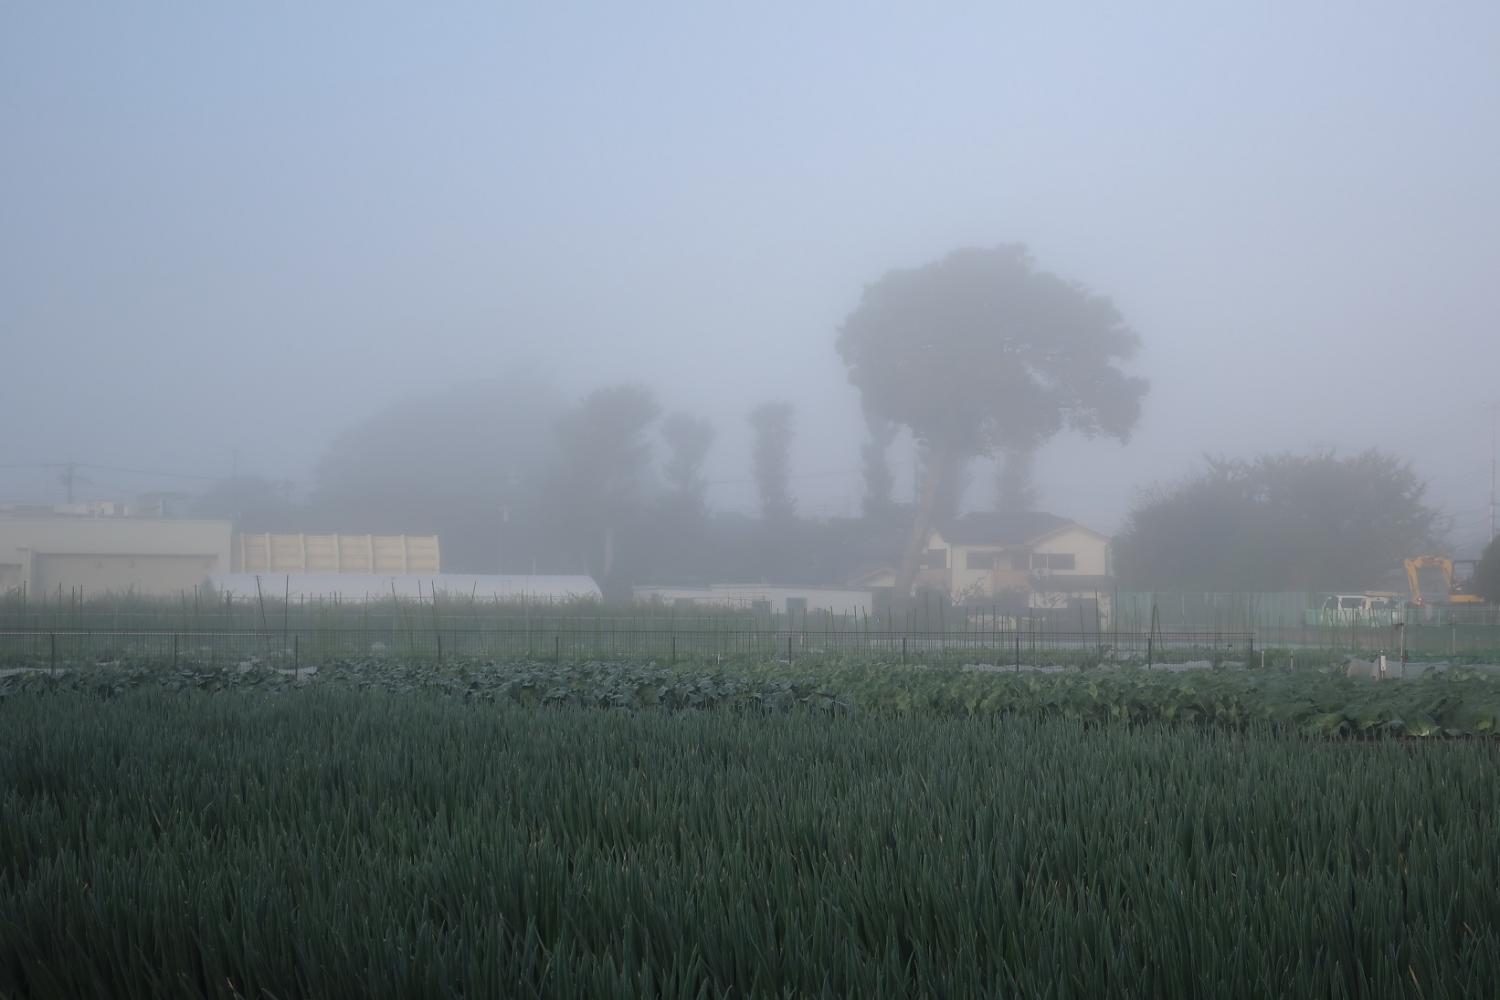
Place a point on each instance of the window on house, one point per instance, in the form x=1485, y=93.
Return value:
x=979, y=560
x=935, y=559
x=1053, y=561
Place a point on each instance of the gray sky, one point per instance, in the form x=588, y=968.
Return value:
x=247, y=226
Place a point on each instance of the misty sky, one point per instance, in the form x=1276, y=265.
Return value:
x=246, y=226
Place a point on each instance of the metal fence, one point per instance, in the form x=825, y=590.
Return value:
x=1363, y=636
x=295, y=647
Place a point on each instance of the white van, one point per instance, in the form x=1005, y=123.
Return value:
x=1359, y=602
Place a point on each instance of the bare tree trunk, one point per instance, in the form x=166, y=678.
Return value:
x=939, y=470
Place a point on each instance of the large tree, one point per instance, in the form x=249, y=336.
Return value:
x=981, y=351
x=602, y=462
x=1278, y=522
x=770, y=459
x=465, y=463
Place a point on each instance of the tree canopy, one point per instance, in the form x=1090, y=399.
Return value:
x=450, y=462
x=1278, y=522
x=253, y=503
x=982, y=351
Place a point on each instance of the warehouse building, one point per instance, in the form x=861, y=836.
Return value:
x=50, y=553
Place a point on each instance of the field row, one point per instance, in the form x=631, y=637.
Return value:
x=1309, y=701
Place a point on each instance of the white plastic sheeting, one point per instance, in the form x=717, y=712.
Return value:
x=353, y=587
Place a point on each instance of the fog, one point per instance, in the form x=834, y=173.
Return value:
x=226, y=235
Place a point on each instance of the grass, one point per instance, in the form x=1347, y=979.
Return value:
x=359, y=842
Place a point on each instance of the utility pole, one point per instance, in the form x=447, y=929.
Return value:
x=70, y=476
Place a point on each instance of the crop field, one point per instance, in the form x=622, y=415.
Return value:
x=1314, y=700
x=385, y=828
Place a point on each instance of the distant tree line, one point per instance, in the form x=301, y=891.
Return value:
x=1319, y=521
x=512, y=482
x=978, y=354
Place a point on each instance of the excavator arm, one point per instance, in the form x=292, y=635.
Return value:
x=1414, y=567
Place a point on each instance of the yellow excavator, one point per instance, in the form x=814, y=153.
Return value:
x=1456, y=592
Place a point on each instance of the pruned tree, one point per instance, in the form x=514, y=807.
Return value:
x=1278, y=522
x=688, y=439
x=771, y=459
x=982, y=351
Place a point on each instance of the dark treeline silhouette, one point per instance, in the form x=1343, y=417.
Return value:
x=1279, y=522
x=513, y=483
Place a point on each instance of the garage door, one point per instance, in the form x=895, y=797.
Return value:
x=99, y=574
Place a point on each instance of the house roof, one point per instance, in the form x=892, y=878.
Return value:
x=1001, y=528
x=871, y=572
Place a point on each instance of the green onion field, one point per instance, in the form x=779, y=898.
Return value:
x=540, y=830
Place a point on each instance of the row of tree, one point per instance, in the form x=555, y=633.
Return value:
x=979, y=354
x=607, y=487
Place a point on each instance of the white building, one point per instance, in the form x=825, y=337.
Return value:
x=51, y=554
x=355, y=587
x=763, y=597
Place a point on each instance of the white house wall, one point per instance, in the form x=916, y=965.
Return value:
x=1090, y=551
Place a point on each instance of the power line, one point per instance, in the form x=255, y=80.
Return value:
x=149, y=473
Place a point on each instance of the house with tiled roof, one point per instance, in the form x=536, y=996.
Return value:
x=981, y=557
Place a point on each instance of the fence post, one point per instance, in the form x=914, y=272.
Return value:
x=789, y=646
x=440, y=648
x=903, y=650
x=674, y=649
x=297, y=651
x=174, y=650
x=1018, y=652
x=52, y=638
x=557, y=648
